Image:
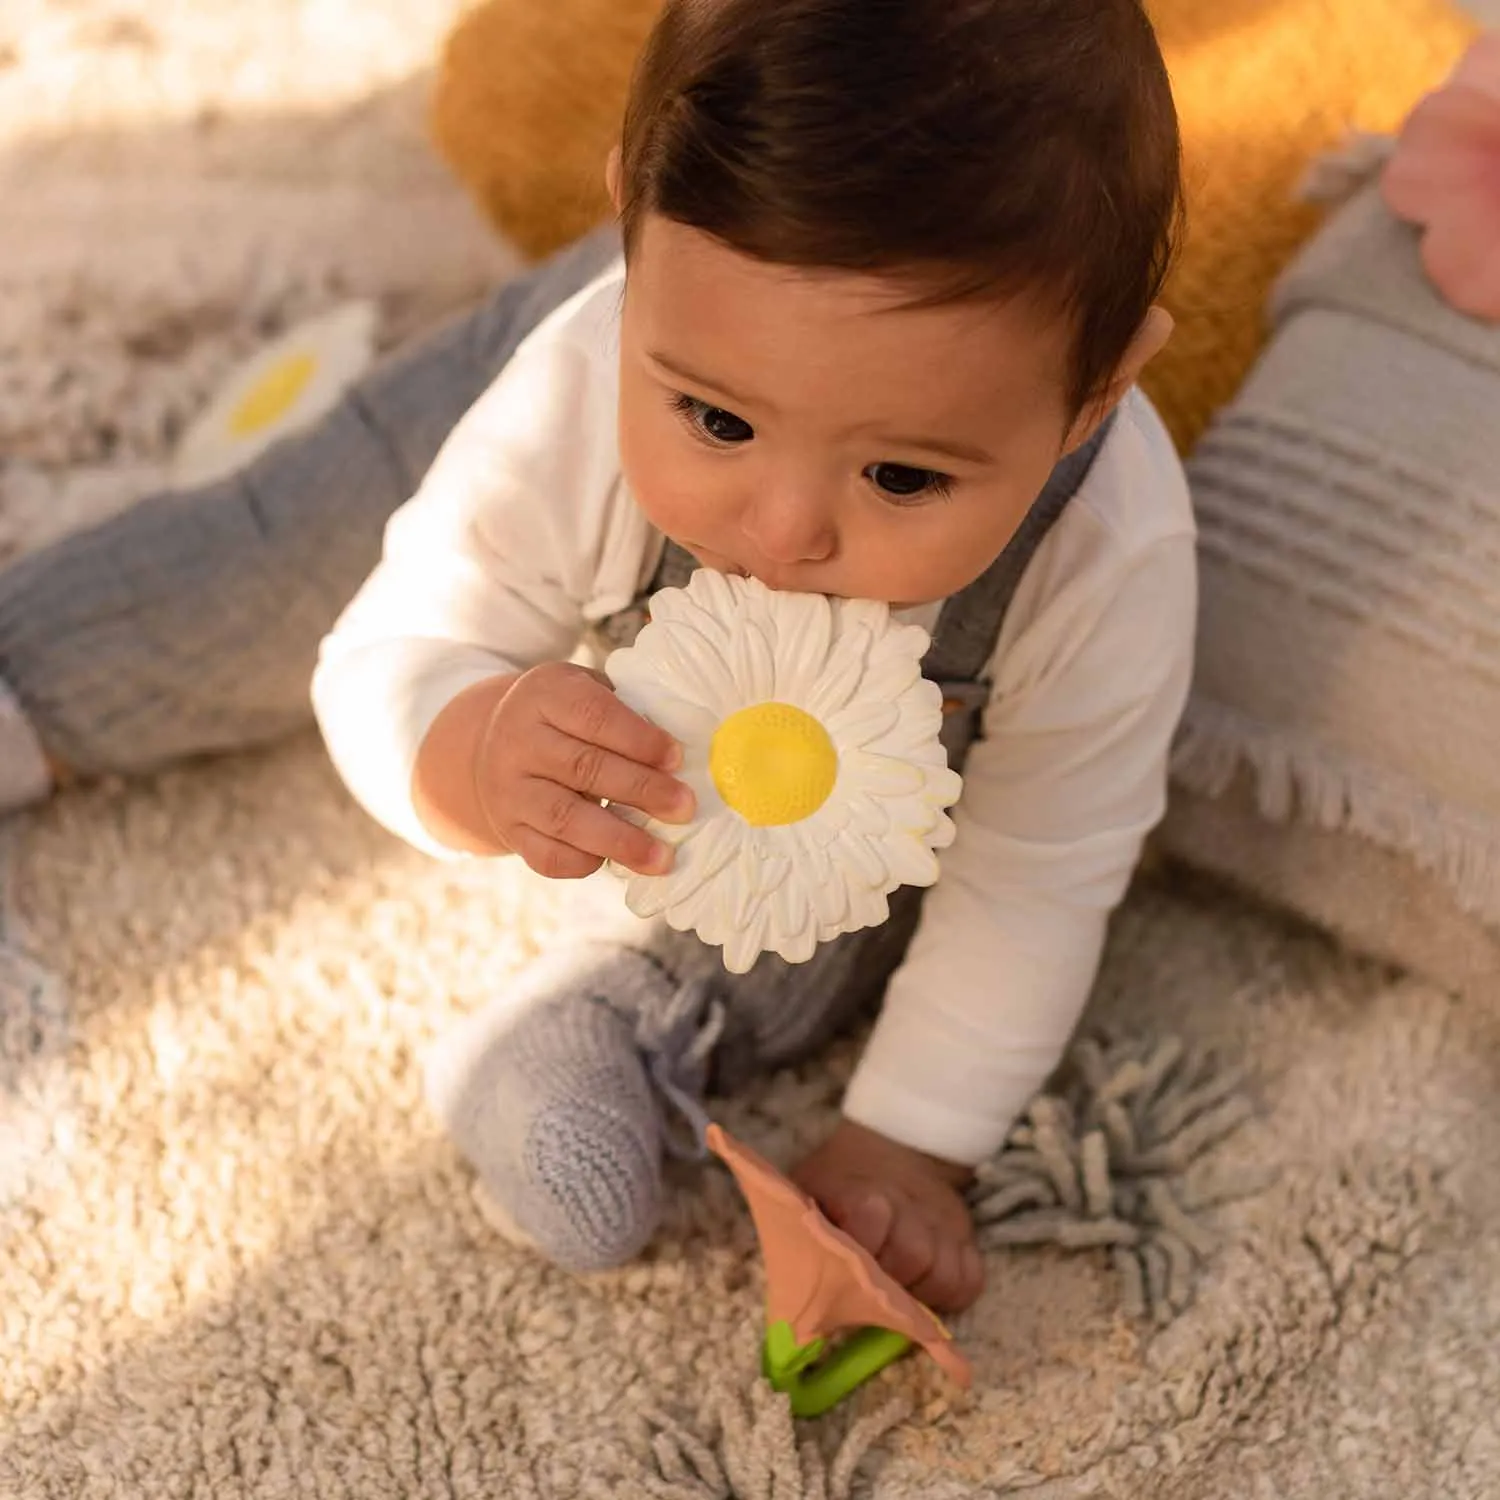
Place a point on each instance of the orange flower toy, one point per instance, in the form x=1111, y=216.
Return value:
x=1444, y=176
x=820, y=1287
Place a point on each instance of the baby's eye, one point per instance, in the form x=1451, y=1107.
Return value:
x=902, y=482
x=714, y=422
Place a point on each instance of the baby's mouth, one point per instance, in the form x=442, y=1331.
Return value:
x=709, y=559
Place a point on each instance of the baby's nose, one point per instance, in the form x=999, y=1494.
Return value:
x=789, y=527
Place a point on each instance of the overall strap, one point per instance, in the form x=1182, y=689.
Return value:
x=968, y=627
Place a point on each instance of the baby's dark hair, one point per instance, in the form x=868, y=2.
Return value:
x=974, y=148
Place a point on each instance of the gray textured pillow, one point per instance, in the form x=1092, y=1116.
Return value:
x=1348, y=682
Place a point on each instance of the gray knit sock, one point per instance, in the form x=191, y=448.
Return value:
x=546, y=1092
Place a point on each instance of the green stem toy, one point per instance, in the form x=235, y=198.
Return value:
x=834, y=1319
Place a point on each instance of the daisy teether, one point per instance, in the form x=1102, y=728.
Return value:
x=811, y=742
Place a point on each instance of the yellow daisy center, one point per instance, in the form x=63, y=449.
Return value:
x=273, y=395
x=773, y=764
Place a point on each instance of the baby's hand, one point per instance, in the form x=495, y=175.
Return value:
x=558, y=744
x=904, y=1207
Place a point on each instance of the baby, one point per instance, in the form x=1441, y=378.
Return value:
x=889, y=276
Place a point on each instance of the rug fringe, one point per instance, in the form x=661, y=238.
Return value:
x=745, y=1445
x=1099, y=1165
x=1299, y=777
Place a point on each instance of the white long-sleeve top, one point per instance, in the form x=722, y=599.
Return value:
x=524, y=532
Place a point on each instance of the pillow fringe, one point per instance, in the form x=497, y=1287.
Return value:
x=1299, y=777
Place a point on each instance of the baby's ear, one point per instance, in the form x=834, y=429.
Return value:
x=612, y=177
x=1150, y=339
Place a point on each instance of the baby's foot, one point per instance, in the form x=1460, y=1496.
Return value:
x=546, y=1094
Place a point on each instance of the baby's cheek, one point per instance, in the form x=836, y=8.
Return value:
x=671, y=503
x=971, y=531
x=650, y=459
x=921, y=557
x=681, y=494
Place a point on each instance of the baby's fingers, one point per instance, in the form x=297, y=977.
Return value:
x=607, y=777
x=955, y=1280
x=910, y=1252
x=561, y=816
x=587, y=709
x=549, y=857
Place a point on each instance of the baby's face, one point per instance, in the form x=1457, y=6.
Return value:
x=807, y=430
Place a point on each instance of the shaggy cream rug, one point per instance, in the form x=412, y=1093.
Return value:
x=236, y=1256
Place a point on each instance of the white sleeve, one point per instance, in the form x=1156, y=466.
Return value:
x=1058, y=799
x=519, y=534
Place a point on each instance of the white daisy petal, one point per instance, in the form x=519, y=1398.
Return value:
x=803, y=637
x=751, y=893
x=831, y=819
x=867, y=908
x=867, y=815
x=745, y=945
x=717, y=593
x=722, y=839
x=867, y=613
x=931, y=756
x=910, y=862
x=652, y=669
x=703, y=674
x=797, y=943
x=944, y=786
x=676, y=607
x=686, y=722
x=773, y=874
x=861, y=721
x=840, y=678
x=753, y=664
x=637, y=682
x=789, y=907
x=741, y=899
x=902, y=643
x=910, y=817
x=830, y=903
x=684, y=609
x=894, y=681
x=702, y=858
x=863, y=859
x=696, y=776
x=650, y=895
x=879, y=775
x=702, y=910
x=647, y=896
x=917, y=744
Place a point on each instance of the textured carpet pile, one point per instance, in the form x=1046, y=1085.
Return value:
x=237, y=1259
